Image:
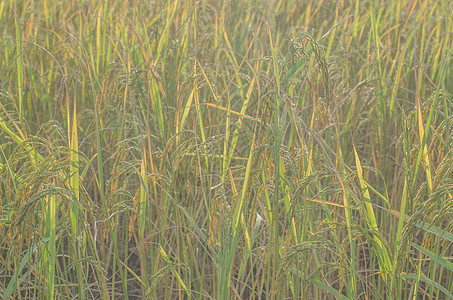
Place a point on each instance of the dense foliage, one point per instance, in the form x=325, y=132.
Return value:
x=274, y=149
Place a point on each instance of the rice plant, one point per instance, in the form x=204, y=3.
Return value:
x=226, y=149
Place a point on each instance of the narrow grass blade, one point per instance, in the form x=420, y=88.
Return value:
x=436, y=230
x=75, y=191
x=20, y=71
x=23, y=262
x=437, y=258
x=430, y=282
x=381, y=250
x=174, y=272
x=74, y=173
x=142, y=221
x=330, y=290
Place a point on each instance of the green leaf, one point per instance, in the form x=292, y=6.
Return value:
x=428, y=281
x=442, y=261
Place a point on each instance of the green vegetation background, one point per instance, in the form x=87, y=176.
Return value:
x=226, y=149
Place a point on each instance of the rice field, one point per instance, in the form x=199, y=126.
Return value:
x=183, y=149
